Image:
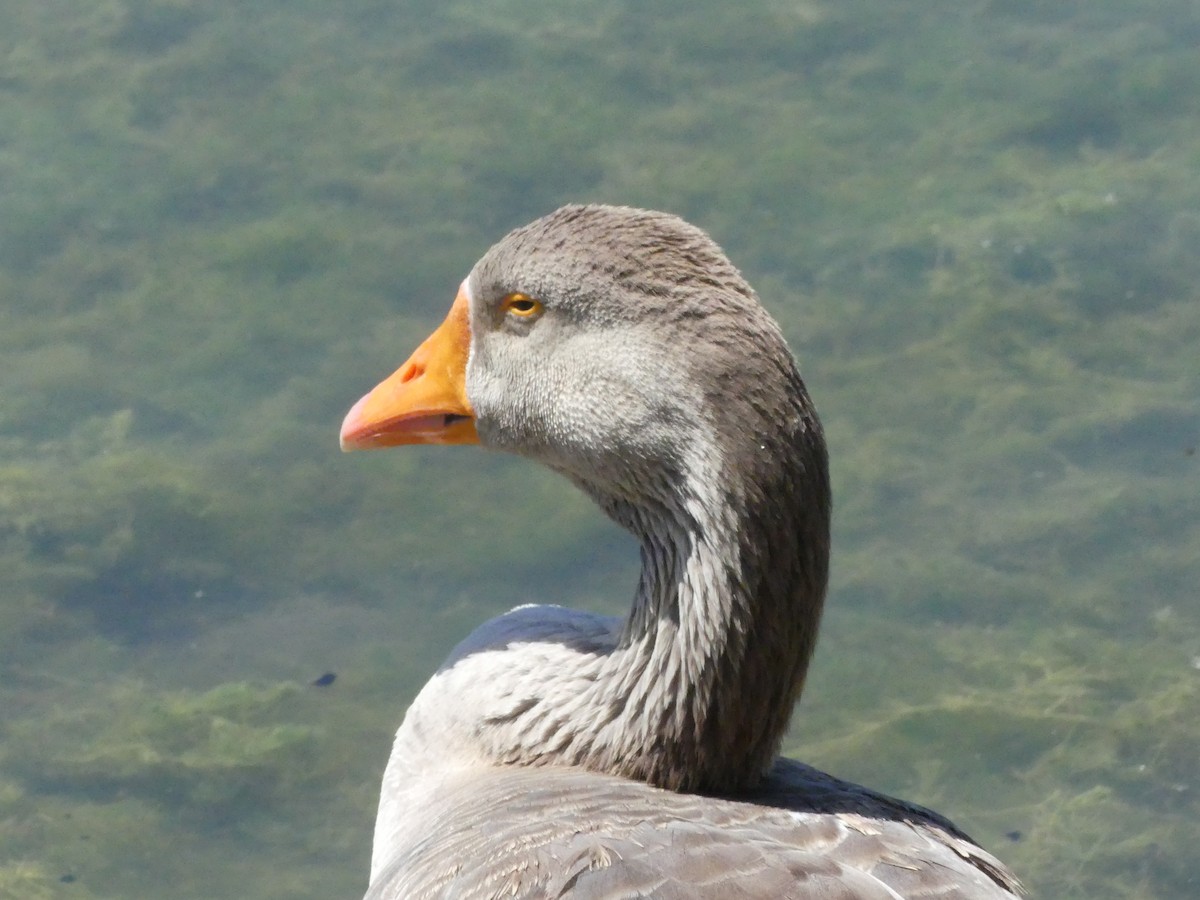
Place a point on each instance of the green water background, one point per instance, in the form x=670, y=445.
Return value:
x=220, y=223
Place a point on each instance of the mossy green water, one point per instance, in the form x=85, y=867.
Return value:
x=978, y=223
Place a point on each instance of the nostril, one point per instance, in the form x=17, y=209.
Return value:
x=411, y=371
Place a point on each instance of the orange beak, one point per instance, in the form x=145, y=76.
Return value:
x=425, y=400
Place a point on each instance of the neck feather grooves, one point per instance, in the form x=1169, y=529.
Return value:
x=715, y=650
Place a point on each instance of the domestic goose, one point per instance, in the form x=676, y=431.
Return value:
x=559, y=753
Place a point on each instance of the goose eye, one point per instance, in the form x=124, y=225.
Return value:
x=520, y=305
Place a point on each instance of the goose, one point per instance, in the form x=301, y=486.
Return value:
x=557, y=753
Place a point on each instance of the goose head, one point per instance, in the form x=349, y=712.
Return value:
x=619, y=347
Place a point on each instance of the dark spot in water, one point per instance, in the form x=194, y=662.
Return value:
x=67, y=879
x=463, y=54
x=1146, y=441
x=325, y=680
x=1013, y=836
x=1030, y=266
x=137, y=601
x=155, y=29
x=912, y=261
x=1075, y=123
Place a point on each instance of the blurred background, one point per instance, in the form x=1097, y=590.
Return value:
x=221, y=223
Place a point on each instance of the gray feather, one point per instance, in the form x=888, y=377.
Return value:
x=571, y=833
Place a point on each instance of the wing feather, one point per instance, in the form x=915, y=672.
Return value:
x=539, y=834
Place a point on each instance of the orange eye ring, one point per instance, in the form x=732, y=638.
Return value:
x=521, y=305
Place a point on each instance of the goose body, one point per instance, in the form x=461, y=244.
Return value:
x=558, y=753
